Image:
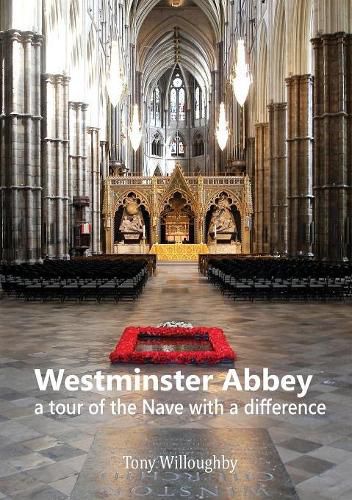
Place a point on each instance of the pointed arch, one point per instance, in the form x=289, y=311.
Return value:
x=157, y=145
x=299, y=38
x=157, y=171
x=198, y=144
x=279, y=68
x=138, y=10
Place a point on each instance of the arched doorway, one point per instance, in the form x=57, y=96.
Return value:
x=177, y=220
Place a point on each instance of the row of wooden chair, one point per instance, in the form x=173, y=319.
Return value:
x=79, y=281
x=285, y=280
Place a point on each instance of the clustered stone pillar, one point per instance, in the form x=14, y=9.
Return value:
x=20, y=122
x=332, y=146
x=95, y=197
x=55, y=171
x=300, y=164
x=262, y=189
x=278, y=161
x=79, y=178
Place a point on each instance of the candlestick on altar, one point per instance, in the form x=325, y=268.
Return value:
x=144, y=232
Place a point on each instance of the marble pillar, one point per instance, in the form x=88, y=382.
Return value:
x=262, y=202
x=278, y=162
x=332, y=145
x=55, y=144
x=20, y=125
x=300, y=164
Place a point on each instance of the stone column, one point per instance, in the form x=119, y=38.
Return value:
x=20, y=123
x=250, y=157
x=278, y=161
x=55, y=201
x=104, y=159
x=300, y=164
x=78, y=174
x=332, y=145
x=262, y=189
x=95, y=187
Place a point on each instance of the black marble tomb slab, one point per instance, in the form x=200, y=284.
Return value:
x=259, y=473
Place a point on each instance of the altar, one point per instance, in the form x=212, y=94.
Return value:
x=179, y=251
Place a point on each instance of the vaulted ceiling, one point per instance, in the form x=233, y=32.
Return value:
x=139, y=10
x=166, y=35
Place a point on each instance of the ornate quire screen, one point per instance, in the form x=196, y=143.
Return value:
x=178, y=208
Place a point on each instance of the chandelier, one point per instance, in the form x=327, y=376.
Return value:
x=242, y=80
x=115, y=83
x=135, y=131
x=222, y=130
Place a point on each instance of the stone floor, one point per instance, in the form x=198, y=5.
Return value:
x=41, y=456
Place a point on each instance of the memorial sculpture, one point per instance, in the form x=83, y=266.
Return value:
x=222, y=224
x=132, y=223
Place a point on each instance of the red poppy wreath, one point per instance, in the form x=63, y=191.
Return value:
x=219, y=351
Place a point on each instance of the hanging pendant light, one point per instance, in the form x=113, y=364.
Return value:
x=135, y=131
x=242, y=80
x=115, y=82
x=222, y=130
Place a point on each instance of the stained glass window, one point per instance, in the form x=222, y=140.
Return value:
x=203, y=110
x=157, y=104
x=177, y=81
x=173, y=148
x=181, y=105
x=155, y=107
x=177, y=147
x=173, y=105
x=177, y=99
x=197, y=104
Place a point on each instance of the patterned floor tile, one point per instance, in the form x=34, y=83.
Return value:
x=287, y=338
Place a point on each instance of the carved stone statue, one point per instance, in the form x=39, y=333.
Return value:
x=132, y=222
x=222, y=221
